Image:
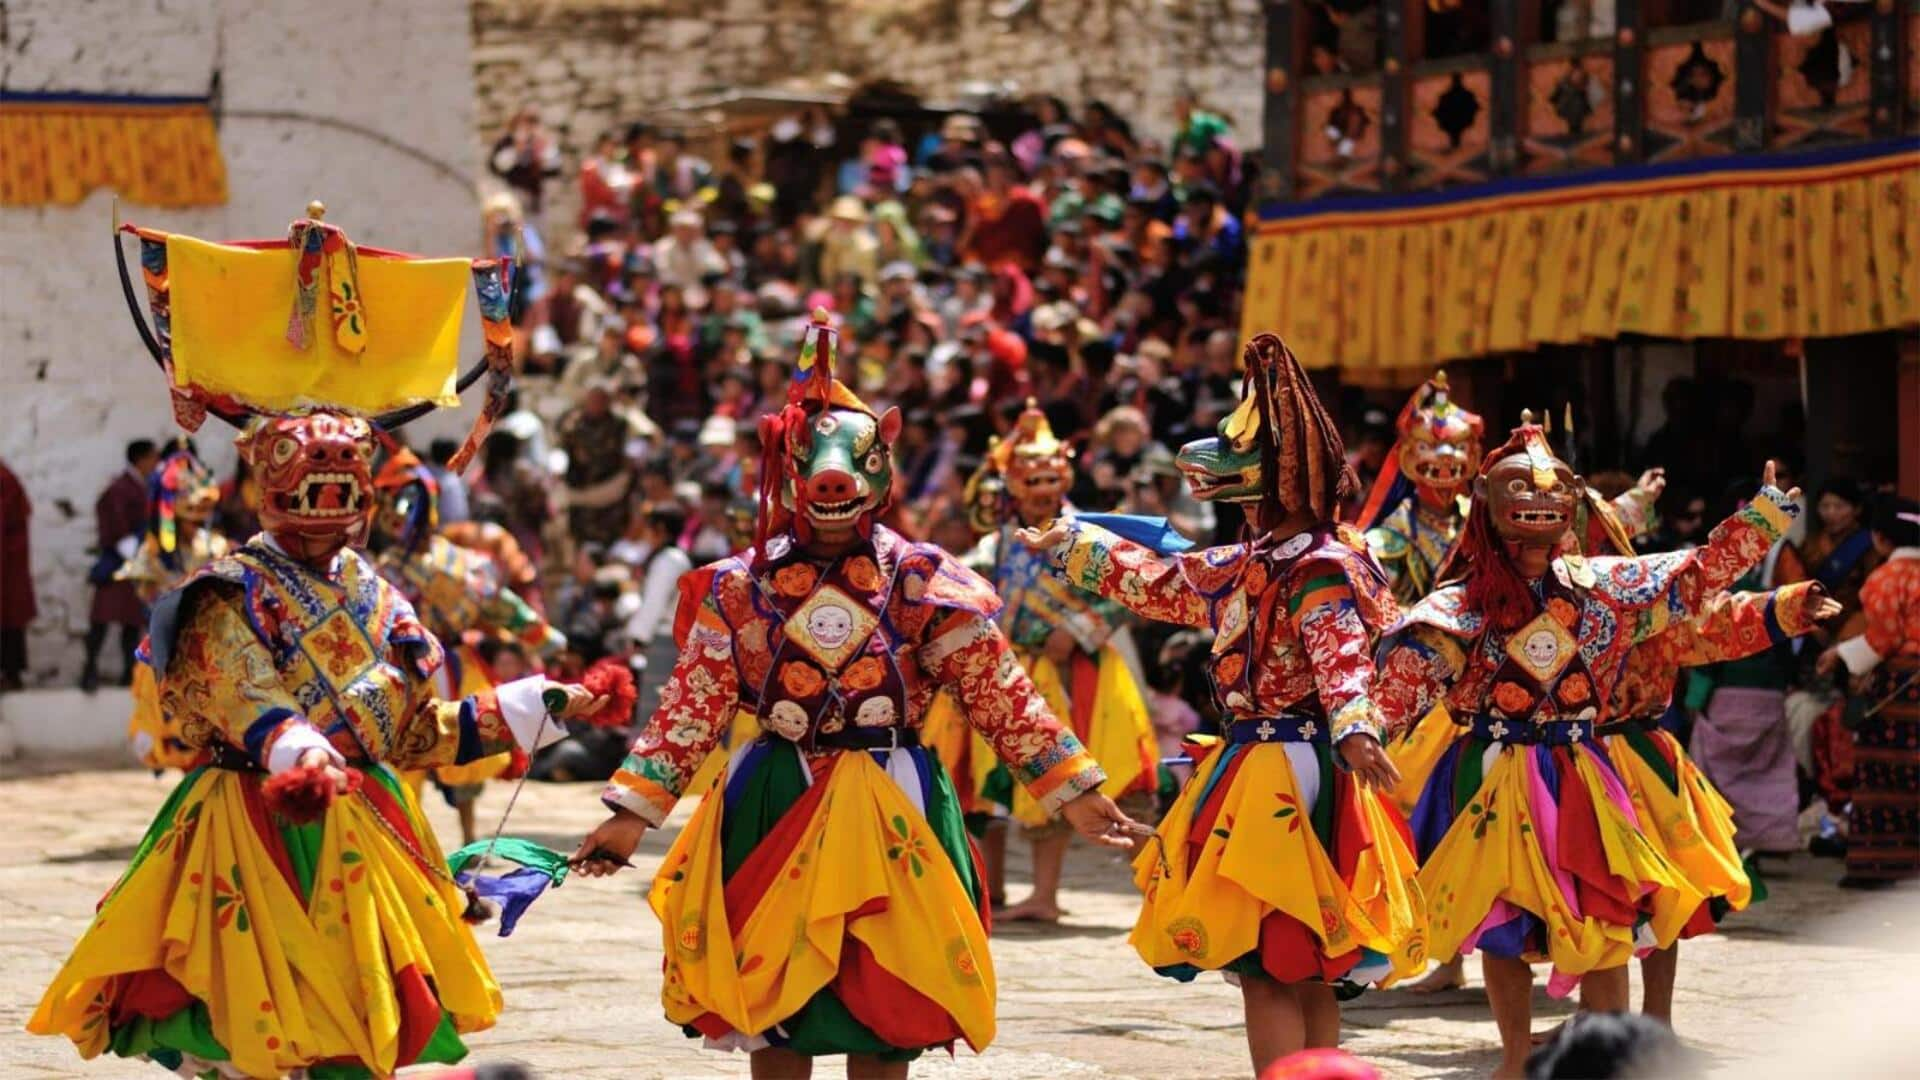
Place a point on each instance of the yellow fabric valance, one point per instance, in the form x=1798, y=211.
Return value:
x=1824, y=245
x=56, y=149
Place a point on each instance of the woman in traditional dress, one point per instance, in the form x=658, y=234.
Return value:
x=1883, y=841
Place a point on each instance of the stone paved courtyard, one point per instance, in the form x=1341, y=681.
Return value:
x=581, y=974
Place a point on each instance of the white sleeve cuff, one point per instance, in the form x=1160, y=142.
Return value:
x=526, y=713
x=1859, y=656
x=296, y=740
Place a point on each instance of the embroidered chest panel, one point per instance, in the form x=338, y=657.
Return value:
x=819, y=649
x=335, y=643
x=1540, y=671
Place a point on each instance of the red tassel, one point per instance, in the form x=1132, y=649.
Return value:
x=303, y=793
x=611, y=678
x=517, y=768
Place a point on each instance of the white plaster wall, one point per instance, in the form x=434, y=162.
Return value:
x=75, y=384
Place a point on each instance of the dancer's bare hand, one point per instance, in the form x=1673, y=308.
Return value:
x=1369, y=761
x=581, y=702
x=317, y=758
x=610, y=846
x=1095, y=817
x=1824, y=607
x=1653, y=482
x=1770, y=473
x=1043, y=539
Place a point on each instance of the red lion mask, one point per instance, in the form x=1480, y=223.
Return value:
x=316, y=479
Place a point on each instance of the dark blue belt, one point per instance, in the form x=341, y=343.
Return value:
x=858, y=738
x=1306, y=729
x=1531, y=732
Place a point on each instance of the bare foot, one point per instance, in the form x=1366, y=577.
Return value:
x=1542, y=1038
x=1031, y=910
x=1508, y=1070
x=1451, y=975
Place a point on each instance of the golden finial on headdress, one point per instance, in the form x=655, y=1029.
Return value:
x=316, y=210
x=1526, y=417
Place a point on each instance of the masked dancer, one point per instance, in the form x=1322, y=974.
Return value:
x=455, y=591
x=181, y=495
x=1532, y=848
x=1280, y=864
x=288, y=908
x=825, y=899
x=1062, y=636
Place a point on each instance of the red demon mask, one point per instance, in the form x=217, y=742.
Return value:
x=316, y=479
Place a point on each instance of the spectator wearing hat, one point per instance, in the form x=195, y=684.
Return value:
x=508, y=234
x=685, y=255
x=894, y=237
x=848, y=246
x=899, y=300
x=958, y=144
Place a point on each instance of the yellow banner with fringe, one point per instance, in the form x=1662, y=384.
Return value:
x=1821, y=244
x=56, y=149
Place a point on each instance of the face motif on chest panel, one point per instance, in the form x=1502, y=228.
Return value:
x=1543, y=648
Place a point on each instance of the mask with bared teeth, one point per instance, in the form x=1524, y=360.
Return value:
x=1529, y=493
x=316, y=479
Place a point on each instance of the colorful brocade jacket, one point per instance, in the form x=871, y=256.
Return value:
x=266, y=656
x=865, y=640
x=1564, y=663
x=1037, y=601
x=455, y=589
x=1733, y=626
x=1411, y=542
x=1294, y=621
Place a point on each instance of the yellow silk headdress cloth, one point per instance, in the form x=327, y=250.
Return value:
x=234, y=326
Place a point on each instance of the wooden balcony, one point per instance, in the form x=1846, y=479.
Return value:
x=1526, y=107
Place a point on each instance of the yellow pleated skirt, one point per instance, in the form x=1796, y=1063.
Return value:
x=336, y=944
x=1246, y=840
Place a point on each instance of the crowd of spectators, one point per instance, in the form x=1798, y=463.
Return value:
x=1045, y=253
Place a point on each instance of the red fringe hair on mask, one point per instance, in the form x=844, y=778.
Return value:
x=1480, y=562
